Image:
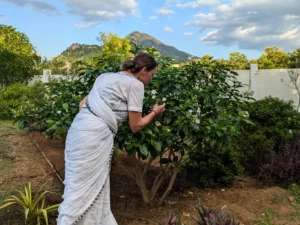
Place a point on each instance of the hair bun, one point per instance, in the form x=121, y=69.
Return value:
x=128, y=65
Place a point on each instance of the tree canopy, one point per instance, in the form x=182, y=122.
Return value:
x=18, y=57
x=273, y=58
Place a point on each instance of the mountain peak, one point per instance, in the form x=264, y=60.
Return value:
x=149, y=41
x=139, y=37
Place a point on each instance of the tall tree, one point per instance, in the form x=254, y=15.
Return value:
x=238, y=61
x=18, y=58
x=273, y=58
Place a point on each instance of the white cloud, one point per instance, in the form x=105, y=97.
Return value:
x=168, y=29
x=205, y=16
x=165, y=12
x=198, y=4
x=85, y=25
x=188, y=34
x=101, y=10
x=170, y=3
x=251, y=24
x=291, y=17
x=36, y=5
x=152, y=17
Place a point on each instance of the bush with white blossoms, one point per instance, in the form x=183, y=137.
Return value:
x=202, y=114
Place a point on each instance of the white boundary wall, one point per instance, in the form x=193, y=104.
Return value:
x=262, y=83
x=268, y=82
x=47, y=76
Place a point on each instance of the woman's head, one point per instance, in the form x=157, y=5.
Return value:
x=143, y=66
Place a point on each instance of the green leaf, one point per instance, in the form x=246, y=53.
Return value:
x=65, y=106
x=144, y=150
x=158, y=146
x=167, y=120
x=195, y=126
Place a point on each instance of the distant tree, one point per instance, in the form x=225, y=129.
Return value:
x=238, y=61
x=205, y=59
x=44, y=64
x=294, y=58
x=253, y=61
x=114, y=46
x=18, y=58
x=222, y=61
x=273, y=58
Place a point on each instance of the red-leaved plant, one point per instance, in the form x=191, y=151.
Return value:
x=214, y=217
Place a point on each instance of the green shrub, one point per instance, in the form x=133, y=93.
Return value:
x=55, y=114
x=213, y=167
x=275, y=121
x=16, y=98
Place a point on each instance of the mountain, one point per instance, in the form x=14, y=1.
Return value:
x=79, y=52
x=83, y=52
x=166, y=50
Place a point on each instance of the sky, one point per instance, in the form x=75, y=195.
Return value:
x=214, y=27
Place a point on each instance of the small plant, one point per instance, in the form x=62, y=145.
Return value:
x=268, y=214
x=214, y=217
x=294, y=189
x=284, y=165
x=173, y=220
x=34, y=207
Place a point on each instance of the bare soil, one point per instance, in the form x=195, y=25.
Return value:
x=246, y=200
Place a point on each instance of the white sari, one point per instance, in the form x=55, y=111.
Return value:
x=89, y=148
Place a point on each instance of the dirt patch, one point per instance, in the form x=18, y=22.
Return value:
x=247, y=200
x=21, y=163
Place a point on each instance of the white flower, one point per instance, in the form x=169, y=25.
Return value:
x=153, y=96
x=197, y=121
x=157, y=123
x=190, y=111
x=59, y=112
x=290, y=131
x=153, y=92
x=164, y=99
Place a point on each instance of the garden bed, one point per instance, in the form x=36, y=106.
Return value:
x=22, y=161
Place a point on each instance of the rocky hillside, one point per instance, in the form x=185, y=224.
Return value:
x=83, y=52
x=79, y=52
x=166, y=50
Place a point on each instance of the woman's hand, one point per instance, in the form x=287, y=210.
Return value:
x=137, y=122
x=158, y=109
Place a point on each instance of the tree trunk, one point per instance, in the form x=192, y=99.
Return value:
x=140, y=180
x=171, y=183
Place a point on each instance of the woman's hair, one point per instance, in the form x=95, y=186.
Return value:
x=140, y=61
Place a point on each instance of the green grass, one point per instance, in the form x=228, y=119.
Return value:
x=8, y=128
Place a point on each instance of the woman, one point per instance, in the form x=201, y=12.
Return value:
x=89, y=144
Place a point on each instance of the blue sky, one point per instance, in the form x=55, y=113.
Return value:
x=214, y=27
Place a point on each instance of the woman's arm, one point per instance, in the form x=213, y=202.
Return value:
x=82, y=102
x=137, y=122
